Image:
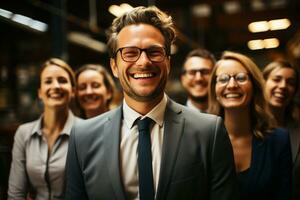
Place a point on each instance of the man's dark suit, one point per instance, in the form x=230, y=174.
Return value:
x=197, y=160
x=294, y=132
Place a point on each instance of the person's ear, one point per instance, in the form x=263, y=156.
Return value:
x=114, y=67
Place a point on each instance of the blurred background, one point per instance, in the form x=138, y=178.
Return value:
x=75, y=30
x=34, y=30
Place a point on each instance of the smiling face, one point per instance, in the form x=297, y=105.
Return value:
x=280, y=87
x=143, y=80
x=55, y=88
x=92, y=93
x=235, y=94
x=196, y=84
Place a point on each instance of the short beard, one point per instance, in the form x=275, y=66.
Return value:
x=201, y=99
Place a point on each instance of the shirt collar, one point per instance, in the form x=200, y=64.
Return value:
x=192, y=106
x=37, y=129
x=156, y=114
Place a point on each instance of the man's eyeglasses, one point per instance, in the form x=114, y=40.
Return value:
x=240, y=78
x=132, y=54
x=193, y=72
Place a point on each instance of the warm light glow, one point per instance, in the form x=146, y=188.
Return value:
x=115, y=10
x=263, y=44
x=271, y=43
x=279, y=24
x=119, y=10
x=260, y=26
x=126, y=7
x=201, y=10
x=255, y=44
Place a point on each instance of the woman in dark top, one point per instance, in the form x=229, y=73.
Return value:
x=282, y=83
x=262, y=154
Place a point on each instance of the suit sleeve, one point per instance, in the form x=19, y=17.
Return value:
x=18, y=182
x=285, y=167
x=223, y=176
x=75, y=187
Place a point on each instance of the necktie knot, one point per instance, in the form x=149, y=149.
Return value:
x=144, y=124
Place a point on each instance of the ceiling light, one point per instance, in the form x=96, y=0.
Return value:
x=21, y=19
x=255, y=44
x=259, y=26
x=126, y=7
x=258, y=5
x=37, y=25
x=201, y=10
x=279, y=24
x=115, y=10
x=232, y=7
x=5, y=13
x=271, y=43
x=120, y=10
x=85, y=40
x=263, y=44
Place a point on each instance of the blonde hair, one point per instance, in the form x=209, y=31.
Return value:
x=261, y=117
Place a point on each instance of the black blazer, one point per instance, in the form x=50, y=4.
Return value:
x=269, y=176
x=197, y=160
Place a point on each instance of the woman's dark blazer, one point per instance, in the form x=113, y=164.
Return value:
x=269, y=176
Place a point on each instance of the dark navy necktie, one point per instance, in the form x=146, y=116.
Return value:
x=146, y=186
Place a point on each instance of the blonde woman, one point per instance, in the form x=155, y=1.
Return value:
x=262, y=154
x=282, y=83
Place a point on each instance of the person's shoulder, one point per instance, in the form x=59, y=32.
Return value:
x=88, y=126
x=279, y=138
x=196, y=119
x=279, y=134
x=25, y=130
x=192, y=114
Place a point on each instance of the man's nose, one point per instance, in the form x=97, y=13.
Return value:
x=143, y=59
x=198, y=75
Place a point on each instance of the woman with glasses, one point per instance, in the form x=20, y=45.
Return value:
x=40, y=147
x=261, y=153
x=282, y=83
x=95, y=90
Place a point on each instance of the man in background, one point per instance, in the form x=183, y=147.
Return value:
x=195, y=77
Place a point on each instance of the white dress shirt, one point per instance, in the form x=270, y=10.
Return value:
x=193, y=107
x=129, y=143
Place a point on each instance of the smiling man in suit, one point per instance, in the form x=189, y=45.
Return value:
x=181, y=155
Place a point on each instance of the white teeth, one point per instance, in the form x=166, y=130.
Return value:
x=56, y=95
x=146, y=75
x=90, y=98
x=279, y=95
x=232, y=95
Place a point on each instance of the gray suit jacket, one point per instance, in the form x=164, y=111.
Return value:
x=197, y=160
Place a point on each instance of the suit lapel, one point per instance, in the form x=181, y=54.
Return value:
x=174, y=123
x=112, y=143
